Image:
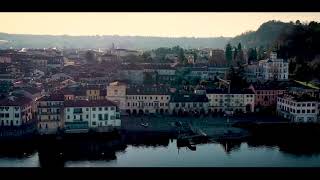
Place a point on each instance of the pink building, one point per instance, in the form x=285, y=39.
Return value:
x=266, y=96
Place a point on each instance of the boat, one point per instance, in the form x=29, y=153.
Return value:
x=144, y=124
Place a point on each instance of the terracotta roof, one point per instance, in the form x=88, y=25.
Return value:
x=15, y=101
x=52, y=97
x=88, y=103
x=189, y=98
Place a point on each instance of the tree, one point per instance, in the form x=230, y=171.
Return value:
x=252, y=54
x=228, y=53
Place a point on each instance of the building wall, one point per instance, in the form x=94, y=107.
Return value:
x=117, y=94
x=236, y=102
x=175, y=107
x=147, y=103
x=267, y=98
x=15, y=115
x=50, y=116
x=297, y=111
x=109, y=116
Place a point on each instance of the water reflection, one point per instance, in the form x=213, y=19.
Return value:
x=56, y=153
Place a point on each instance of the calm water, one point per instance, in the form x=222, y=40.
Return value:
x=151, y=151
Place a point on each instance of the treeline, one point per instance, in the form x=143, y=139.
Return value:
x=302, y=47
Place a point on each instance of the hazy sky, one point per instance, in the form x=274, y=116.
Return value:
x=145, y=24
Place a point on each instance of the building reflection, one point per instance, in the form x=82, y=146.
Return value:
x=55, y=153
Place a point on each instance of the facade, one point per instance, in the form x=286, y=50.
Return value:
x=116, y=92
x=188, y=104
x=297, y=108
x=82, y=115
x=274, y=68
x=147, y=100
x=15, y=111
x=236, y=101
x=50, y=114
x=266, y=96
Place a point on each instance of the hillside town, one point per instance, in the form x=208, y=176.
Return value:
x=52, y=91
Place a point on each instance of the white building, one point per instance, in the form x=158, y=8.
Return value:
x=15, y=111
x=298, y=108
x=236, y=101
x=98, y=115
x=274, y=68
x=268, y=69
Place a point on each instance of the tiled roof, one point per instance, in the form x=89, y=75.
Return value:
x=15, y=101
x=148, y=90
x=232, y=91
x=52, y=97
x=88, y=103
x=189, y=98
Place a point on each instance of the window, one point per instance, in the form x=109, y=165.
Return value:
x=112, y=108
x=16, y=115
x=93, y=109
x=200, y=104
x=303, y=105
x=298, y=105
x=161, y=97
x=100, y=109
x=167, y=97
x=94, y=115
x=150, y=97
x=112, y=117
x=177, y=104
x=183, y=104
x=94, y=123
x=100, y=117
x=313, y=111
x=308, y=104
x=7, y=115
x=106, y=108
x=128, y=104
x=87, y=109
x=303, y=111
x=1, y=115
x=308, y=111
x=118, y=116
x=156, y=97
x=68, y=109
x=87, y=116
x=68, y=117
x=17, y=122
x=105, y=116
x=74, y=117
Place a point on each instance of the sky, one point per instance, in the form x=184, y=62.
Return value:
x=143, y=24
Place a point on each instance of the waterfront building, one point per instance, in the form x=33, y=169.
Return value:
x=188, y=103
x=50, y=114
x=266, y=94
x=116, y=92
x=16, y=111
x=236, y=101
x=82, y=115
x=298, y=108
x=147, y=99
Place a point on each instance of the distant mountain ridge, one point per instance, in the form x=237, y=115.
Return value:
x=105, y=41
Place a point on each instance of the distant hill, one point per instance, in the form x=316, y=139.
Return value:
x=132, y=42
x=267, y=34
